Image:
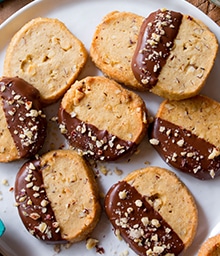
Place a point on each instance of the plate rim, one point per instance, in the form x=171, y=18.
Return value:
x=35, y=3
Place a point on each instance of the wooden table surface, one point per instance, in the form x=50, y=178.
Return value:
x=8, y=7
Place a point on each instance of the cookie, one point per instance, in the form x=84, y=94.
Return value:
x=186, y=135
x=57, y=197
x=22, y=120
x=47, y=55
x=168, y=53
x=153, y=211
x=113, y=46
x=211, y=247
x=102, y=119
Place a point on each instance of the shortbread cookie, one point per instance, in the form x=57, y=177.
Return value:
x=47, y=55
x=102, y=119
x=57, y=197
x=153, y=211
x=168, y=53
x=22, y=121
x=113, y=46
x=186, y=135
x=211, y=247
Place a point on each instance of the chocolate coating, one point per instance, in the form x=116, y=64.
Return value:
x=139, y=224
x=184, y=150
x=24, y=115
x=95, y=143
x=155, y=42
x=33, y=205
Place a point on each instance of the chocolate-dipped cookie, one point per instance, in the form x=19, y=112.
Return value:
x=57, y=197
x=186, y=135
x=153, y=211
x=169, y=53
x=22, y=121
x=102, y=119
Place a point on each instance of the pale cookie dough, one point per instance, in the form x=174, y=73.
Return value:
x=113, y=46
x=47, y=55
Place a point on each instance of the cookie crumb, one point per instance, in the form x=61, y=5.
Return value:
x=57, y=248
x=5, y=182
x=124, y=253
x=118, y=171
x=103, y=169
x=118, y=234
x=91, y=243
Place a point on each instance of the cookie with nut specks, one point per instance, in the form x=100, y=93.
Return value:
x=47, y=55
x=211, y=247
x=168, y=53
x=186, y=135
x=22, y=121
x=57, y=197
x=153, y=211
x=119, y=31
x=102, y=119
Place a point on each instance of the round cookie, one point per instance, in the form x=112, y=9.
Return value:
x=47, y=55
x=22, y=121
x=171, y=59
x=102, y=119
x=186, y=135
x=57, y=197
x=153, y=211
x=211, y=247
x=113, y=46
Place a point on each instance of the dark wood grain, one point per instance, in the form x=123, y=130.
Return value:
x=208, y=8
x=8, y=7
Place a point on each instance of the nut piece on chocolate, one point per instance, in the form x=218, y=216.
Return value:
x=57, y=197
x=22, y=121
x=186, y=135
x=102, y=119
x=153, y=211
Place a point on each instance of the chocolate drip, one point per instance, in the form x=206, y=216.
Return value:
x=33, y=205
x=95, y=143
x=139, y=224
x=155, y=42
x=184, y=150
x=26, y=121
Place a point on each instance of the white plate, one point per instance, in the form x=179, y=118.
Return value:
x=81, y=17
